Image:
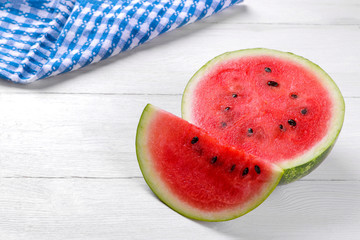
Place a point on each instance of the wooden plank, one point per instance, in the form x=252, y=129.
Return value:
x=164, y=65
x=71, y=135
x=297, y=12
x=126, y=209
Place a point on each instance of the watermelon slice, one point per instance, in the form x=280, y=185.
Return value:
x=275, y=105
x=195, y=175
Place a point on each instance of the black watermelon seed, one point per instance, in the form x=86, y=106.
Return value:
x=281, y=126
x=293, y=95
x=245, y=172
x=194, y=140
x=234, y=95
x=213, y=160
x=223, y=124
x=268, y=70
x=232, y=168
x=292, y=122
x=227, y=108
x=272, y=83
x=250, y=131
x=304, y=111
x=257, y=169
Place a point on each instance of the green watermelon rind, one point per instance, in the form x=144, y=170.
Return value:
x=164, y=193
x=297, y=172
x=301, y=166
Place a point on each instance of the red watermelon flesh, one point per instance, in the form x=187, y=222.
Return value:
x=275, y=105
x=236, y=97
x=195, y=175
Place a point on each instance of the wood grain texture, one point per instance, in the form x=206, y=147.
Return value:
x=68, y=168
x=126, y=209
x=71, y=135
x=293, y=12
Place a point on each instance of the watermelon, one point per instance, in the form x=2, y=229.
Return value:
x=275, y=105
x=196, y=176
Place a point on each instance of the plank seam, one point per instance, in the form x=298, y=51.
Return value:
x=66, y=177
x=110, y=94
x=287, y=24
x=140, y=177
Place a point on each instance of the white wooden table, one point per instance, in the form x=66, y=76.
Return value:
x=68, y=168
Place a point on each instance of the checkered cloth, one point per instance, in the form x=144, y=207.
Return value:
x=42, y=38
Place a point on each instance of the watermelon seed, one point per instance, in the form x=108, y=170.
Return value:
x=293, y=95
x=227, y=108
x=304, y=111
x=194, y=140
x=223, y=124
x=292, y=122
x=281, y=126
x=234, y=95
x=257, y=169
x=250, y=131
x=245, y=172
x=213, y=160
x=272, y=83
x=267, y=70
x=232, y=168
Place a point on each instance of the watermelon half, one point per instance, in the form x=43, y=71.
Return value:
x=195, y=175
x=275, y=105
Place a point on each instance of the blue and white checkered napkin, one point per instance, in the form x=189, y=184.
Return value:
x=42, y=38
